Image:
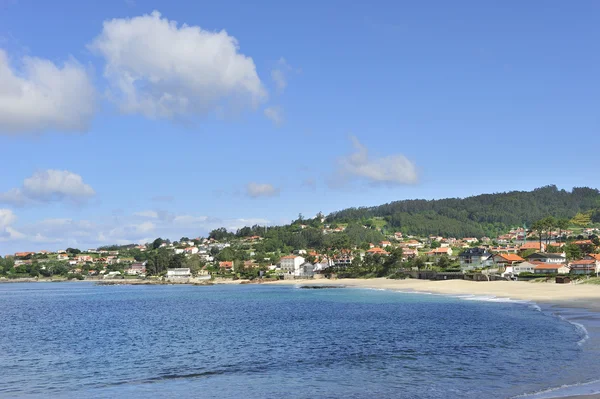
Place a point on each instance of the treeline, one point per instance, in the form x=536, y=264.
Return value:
x=487, y=214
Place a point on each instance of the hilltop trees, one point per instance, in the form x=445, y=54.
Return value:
x=487, y=214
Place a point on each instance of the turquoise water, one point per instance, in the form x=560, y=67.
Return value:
x=76, y=340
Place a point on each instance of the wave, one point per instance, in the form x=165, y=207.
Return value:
x=584, y=388
x=580, y=327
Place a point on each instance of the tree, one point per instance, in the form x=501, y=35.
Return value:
x=220, y=234
x=176, y=261
x=73, y=251
x=562, y=224
x=582, y=219
x=573, y=252
x=157, y=243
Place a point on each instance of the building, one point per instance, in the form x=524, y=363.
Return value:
x=507, y=259
x=291, y=263
x=384, y=244
x=540, y=247
x=409, y=253
x=475, y=258
x=517, y=268
x=377, y=251
x=549, y=268
x=546, y=258
x=305, y=270
x=226, y=265
x=585, y=266
x=413, y=244
x=179, y=273
x=440, y=251
x=137, y=268
x=62, y=257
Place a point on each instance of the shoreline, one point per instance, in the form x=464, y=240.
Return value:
x=581, y=296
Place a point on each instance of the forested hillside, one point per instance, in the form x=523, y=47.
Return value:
x=487, y=214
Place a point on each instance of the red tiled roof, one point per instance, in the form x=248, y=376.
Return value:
x=377, y=251
x=531, y=245
x=512, y=257
x=547, y=266
x=584, y=262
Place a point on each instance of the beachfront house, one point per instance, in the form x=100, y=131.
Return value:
x=546, y=258
x=291, y=263
x=305, y=270
x=585, y=266
x=503, y=260
x=137, y=268
x=517, y=268
x=551, y=268
x=475, y=258
x=180, y=273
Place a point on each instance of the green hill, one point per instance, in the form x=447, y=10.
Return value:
x=476, y=216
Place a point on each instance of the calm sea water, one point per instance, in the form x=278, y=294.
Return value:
x=76, y=340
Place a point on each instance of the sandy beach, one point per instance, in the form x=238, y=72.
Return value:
x=570, y=295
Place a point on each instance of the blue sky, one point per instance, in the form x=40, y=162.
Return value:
x=120, y=124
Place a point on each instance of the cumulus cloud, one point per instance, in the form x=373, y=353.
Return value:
x=391, y=169
x=162, y=70
x=7, y=232
x=47, y=186
x=43, y=96
x=110, y=230
x=275, y=114
x=256, y=190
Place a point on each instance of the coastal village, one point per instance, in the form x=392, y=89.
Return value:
x=518, y=254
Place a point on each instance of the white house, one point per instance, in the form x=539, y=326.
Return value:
x=585, y=266
x=305, y=270
x=515, y=269
x=191, y=250
x=179, y=273
x=291, y=262
x=547, y=258
x=551, y=268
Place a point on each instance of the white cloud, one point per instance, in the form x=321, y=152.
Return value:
x=275, y=114
x=7, y=232
x=391, y=169
x=55, y=233
x=7, y=217
x=43, y=96
x=256, y=190
x=49, y=185
x=279, y=74
x=161, y=70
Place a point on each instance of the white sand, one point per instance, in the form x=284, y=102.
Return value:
x=575, y=295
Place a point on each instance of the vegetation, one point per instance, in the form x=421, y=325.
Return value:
x=481, y=215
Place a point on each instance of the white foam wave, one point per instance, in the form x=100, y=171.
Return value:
x=580, y=327
x=585, y=388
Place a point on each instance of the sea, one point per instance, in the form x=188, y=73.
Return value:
x=81, y=340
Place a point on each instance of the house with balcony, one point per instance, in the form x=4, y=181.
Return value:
x=475, y=258
x=585, y=266
x=546, y=258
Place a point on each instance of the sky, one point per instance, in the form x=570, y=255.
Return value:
x=126, y=120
